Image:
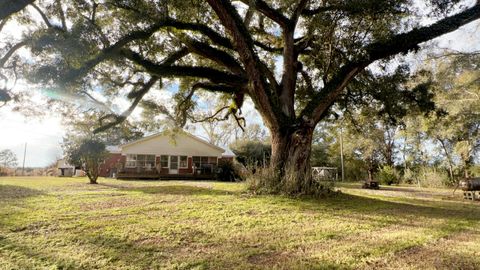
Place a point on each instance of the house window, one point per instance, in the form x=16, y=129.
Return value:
x=164, y=161
x=212, y=160
x=196, y=161
x=183, y=162
x=199, y=161
x=146, y=161
x=143, y=161
x=131, y=161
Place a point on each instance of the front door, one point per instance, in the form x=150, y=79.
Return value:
x=173, y=169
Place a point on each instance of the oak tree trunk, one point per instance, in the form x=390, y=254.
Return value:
x=290, y=160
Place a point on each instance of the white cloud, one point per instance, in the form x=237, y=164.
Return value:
x=42, y=135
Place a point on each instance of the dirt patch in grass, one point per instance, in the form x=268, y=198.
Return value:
x=36, y=228
x=268, y=258
x=110, y=204
x=154, y=240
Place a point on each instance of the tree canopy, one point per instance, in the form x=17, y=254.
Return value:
x=87, y=154
x=8, y=159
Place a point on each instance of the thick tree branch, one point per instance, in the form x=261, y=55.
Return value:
x=42, y=14
x=62, y=14
x=218, y=88
x=117, y=119
x=216, y=55
x=290, y=63
x=138, y=95
x=215, y=37
x=262, y=93
x=3, y=23
x=298, y=11
x=144, y=34
x=9, y=7
x=355, y=7
x=112, y=51
x=248, y=16
x=168, y=70
x=275, y=15
x=10, y=52
x=400, y=43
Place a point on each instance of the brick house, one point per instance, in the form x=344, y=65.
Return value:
x=164, y=155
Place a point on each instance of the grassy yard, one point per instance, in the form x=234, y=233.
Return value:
x=55, y=223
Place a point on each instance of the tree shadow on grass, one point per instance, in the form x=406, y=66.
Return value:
x=401, y=212
x=154, y=252
x=32, y=257
x=11, y=192
x=344, y=203
x=187, y=252
x=382, y=188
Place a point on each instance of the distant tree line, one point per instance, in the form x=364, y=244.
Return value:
x=431, y=144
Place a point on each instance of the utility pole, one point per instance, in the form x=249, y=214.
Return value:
x=24, y=155
x=341, y=153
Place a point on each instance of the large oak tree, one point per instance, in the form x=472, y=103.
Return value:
x=294, y=58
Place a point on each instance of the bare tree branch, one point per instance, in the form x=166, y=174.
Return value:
x=211, y=117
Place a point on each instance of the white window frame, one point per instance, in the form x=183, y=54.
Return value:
x=168, y=161
x=136, y=161
x=204, y=157
x=127, y=161
x=180, y=162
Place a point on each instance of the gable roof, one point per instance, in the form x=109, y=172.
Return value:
x=114, y=149
x=182, y=132
x=228, y=153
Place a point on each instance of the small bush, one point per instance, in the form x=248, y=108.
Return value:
x=427, y=177
x=263, y=181
x=475, y=171
x=432, y=177
x=409, y=177
x=228, y=172
x=387, y=175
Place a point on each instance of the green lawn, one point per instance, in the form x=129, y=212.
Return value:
x=55, y=223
